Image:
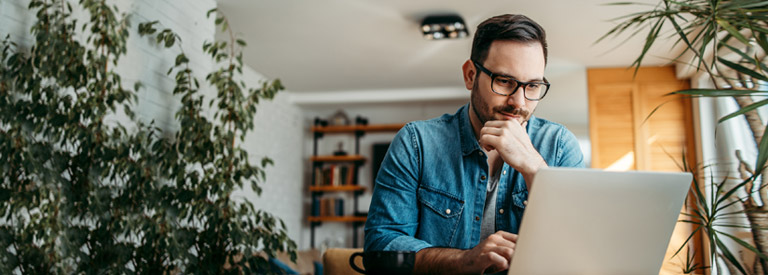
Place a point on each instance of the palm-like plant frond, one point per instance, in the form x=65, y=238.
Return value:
x=728, y=41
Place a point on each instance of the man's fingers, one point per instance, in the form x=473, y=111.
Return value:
x=508, y=236
x=491, y=131
x=500, y=241
x=498, y=262
x=502, y=123
x=489, y=142
x=514, y=128
x=504, y=251
x=497, y=123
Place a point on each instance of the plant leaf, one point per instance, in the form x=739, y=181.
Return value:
x=732, y=30
x=745, y=245
x=729, y=256
x=744, y=110
x=762, y=155
x=742, y=69
x=698, y=228
x=716, y=92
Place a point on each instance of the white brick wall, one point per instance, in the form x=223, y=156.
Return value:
x=14, y=21
x=278, y=134
x=278, y=130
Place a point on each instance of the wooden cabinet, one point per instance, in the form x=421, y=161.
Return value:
x=338, y=174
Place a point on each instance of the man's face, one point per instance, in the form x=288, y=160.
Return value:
x=523, y=61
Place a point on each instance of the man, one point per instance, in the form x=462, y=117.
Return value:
x=454, y=188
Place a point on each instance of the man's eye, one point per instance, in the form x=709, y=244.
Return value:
x=533, y=85
x=503, y=81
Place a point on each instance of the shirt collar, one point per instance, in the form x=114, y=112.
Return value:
x=468, y=141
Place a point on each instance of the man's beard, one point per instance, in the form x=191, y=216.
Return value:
x=484, y=113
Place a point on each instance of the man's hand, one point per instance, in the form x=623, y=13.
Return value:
x=513, y=144
x=491, y=255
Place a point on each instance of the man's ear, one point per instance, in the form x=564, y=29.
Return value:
x=469, y=73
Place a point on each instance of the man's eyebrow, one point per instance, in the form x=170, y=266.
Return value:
x=532, y=80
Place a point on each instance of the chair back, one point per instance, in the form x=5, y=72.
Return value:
x=336, y=261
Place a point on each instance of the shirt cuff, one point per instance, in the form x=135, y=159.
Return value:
x=407, y=243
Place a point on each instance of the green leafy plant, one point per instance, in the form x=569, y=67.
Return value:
x=728, y=40
x=82, y=193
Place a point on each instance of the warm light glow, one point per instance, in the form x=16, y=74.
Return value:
x=625, y=163
x=652, y=139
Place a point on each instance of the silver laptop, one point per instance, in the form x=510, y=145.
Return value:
x=584, y=221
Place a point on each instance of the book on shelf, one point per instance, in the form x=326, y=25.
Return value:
x=318, y=177
x=330, y=207
x=334, y=175
x=339, y=207
x=315, y=207
x=350, y=178
x=323, y=207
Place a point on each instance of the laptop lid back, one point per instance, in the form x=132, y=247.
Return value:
x=585, y=221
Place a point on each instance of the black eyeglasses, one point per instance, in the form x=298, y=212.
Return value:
x=507, y=85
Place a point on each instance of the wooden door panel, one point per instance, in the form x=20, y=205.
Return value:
x=665, y=125
x=609, y=124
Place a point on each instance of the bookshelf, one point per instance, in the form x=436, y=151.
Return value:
x=337, y=219
x=338, y=174
x=351, y=158
x=340, y=188
x=356, y=128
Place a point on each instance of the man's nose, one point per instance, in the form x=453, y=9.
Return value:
x=517, y=99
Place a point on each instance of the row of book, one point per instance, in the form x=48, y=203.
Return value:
x=334, y=175
x=328, y=207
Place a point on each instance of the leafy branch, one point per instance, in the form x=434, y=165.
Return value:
x=79, y=195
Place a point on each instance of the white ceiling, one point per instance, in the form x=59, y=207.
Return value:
x=353, y=45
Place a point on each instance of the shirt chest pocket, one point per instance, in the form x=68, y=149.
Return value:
x=439, y=216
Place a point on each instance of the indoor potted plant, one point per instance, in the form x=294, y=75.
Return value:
x=726, y=40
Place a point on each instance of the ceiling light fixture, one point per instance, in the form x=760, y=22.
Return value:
x=436, y=27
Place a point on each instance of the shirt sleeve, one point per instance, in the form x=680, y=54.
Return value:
x=393, y=214
x=569, y=151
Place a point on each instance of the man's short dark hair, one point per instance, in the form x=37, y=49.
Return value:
x=512, y=27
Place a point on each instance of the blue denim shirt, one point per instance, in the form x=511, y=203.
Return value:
x=431, y=187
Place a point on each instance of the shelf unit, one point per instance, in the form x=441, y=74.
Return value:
x=355, y=160
x=336, y=188
x=337, y=219
x=351, y=158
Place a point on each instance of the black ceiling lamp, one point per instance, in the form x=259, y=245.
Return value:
x=437, y=27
